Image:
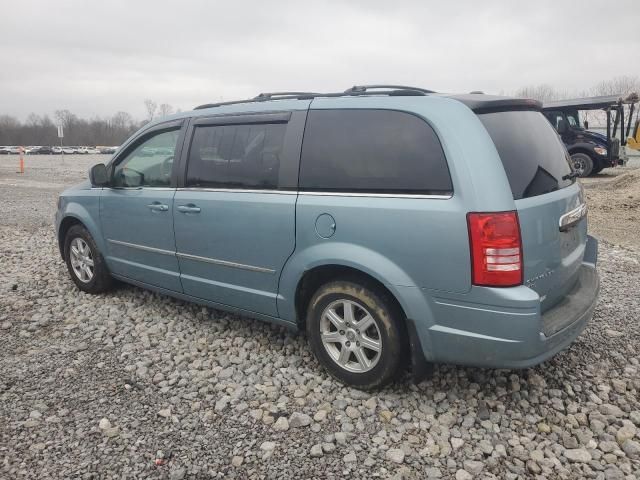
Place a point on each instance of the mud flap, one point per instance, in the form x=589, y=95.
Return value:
x=420, y=368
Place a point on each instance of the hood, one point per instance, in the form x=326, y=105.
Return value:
x=84, y=185
x=589, y=136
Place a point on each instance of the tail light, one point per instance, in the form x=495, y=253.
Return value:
x=496, y=249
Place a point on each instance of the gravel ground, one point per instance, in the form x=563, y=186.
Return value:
x=136, y=385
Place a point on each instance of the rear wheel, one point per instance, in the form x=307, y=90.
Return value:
x=356, y=333
x=85, y=263
x=582, y=163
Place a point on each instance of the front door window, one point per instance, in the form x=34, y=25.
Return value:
x=149, y=164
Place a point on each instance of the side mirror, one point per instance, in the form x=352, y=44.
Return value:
x=98, y=175
x=563, y=126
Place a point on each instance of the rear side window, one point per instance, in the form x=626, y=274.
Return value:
x=236, y=156
x=372, y=151
x=532, y=154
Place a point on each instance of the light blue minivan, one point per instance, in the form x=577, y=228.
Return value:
x=396, y=226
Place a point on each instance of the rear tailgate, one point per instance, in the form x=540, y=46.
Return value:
x=550, y=206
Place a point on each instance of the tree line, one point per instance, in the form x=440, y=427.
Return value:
x=42, y=129
x=623, y=85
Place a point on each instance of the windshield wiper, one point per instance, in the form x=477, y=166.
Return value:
x=571, y=176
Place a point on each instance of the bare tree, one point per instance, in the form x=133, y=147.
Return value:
x=165, y=109
x=542, y=92
x=37, y=130
x=65, y=117
x=121, y=120
x=151, y=107
x=623, y=85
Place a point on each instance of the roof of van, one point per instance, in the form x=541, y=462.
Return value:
x=476, y=101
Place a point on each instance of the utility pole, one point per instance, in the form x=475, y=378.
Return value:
x=61, y=136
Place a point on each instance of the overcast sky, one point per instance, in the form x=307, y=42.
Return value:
x=99, y=57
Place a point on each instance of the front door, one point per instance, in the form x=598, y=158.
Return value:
x=137, y=210
x=235, y=217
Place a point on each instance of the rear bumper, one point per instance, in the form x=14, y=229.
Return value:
x=509, y=331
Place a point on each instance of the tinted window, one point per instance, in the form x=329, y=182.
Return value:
x=372, y=151
x=236, y=156
x=149, y=164
x=532, y=154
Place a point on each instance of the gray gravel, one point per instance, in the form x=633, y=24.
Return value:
x=134, y=384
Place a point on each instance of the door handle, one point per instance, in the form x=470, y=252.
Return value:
x=189, y=208
x=158, y=207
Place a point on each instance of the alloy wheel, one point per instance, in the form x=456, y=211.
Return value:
x=81, y=260
x=351, y=336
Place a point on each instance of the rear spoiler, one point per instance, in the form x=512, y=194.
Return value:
x=481, y=103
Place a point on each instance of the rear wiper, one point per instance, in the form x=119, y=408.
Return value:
x=571, y=176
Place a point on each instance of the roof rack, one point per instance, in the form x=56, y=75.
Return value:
x=356, y=90
x=360, y=89
x=272, y=95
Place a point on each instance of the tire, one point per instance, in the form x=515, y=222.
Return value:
x=100, y=280
x=582, y=163
x=342, y=352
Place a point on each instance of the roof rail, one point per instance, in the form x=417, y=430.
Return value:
x=392, y=90
x=359, y=89
x=271, y=95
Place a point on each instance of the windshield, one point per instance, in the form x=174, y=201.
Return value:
x=534, y=159
x=574, y=120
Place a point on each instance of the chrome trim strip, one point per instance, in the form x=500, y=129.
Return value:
x=572, y=216
x=465, y=333
x=224, y=263
x=197, y=258
x=377, y=195
x=141, y=247
x=236, y=190
x=326, y=194
x=155, y=189
x=483, y=309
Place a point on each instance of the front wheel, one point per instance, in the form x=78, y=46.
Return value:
x=356, y=333
x=582, y=163
x=85, y=263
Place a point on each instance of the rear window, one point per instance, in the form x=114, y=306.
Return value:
x=532, y=154
x=372, y=151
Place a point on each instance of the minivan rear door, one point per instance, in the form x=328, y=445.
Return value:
x=550, y=204
x=234, y=213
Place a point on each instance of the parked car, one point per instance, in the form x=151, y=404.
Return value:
x=43, y=151
x=392, y=224
x=4, y=150
x=56, y=150
x=68, y=150
x=108, y=150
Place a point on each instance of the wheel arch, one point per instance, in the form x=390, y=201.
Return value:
x=74, y=217
x=319, y=275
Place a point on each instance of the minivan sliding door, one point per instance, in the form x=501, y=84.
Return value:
x=234, y=215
